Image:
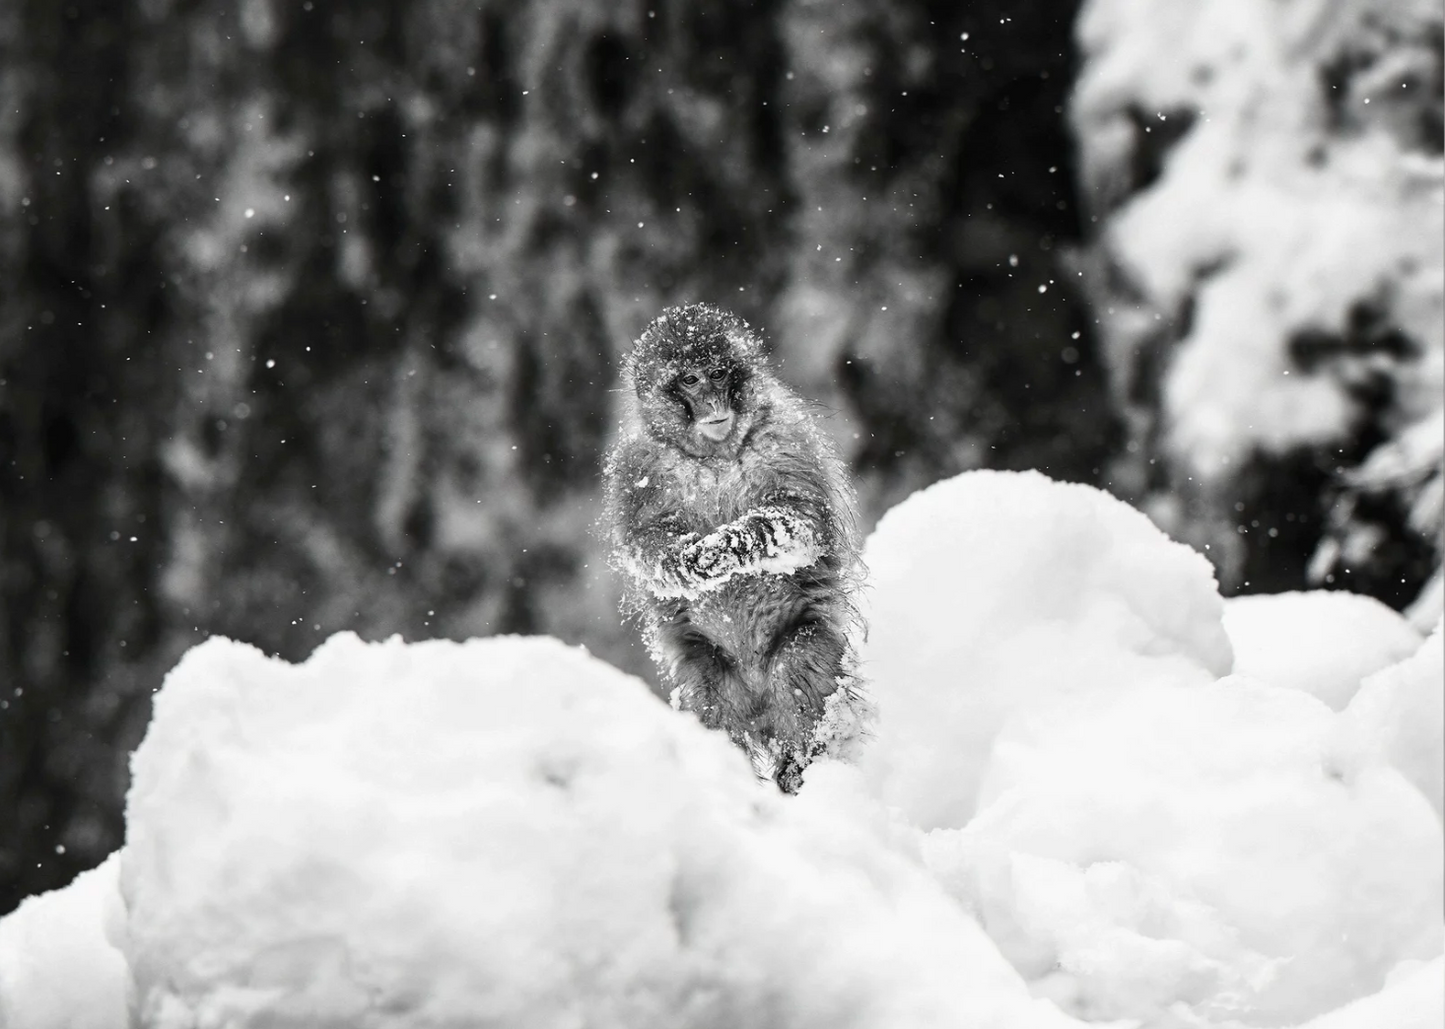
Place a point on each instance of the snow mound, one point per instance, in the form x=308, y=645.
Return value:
x=59, y=968
x=997, y=592
x=1323, y=642
x=1413, y=998
x=1399, y=716
x=508, y=832
x=1195, y=857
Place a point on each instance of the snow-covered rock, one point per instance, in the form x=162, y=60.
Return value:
x=995, y=592
x=508, y=832
x=60, y=967
x=1204, y=853
x=1324, y=642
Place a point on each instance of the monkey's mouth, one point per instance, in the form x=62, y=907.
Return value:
x=716, y=427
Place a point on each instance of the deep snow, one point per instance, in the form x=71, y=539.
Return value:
x=1069, y=796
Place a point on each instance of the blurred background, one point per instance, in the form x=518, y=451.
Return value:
x=310, y=312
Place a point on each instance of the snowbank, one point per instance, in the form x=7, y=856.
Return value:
x=1203, y=847
x=995, y=592
x=1414, y=998
x=1397, y=717
x=59, y=968
x=1150, y=843
x=1323, y=642
x=508, y=832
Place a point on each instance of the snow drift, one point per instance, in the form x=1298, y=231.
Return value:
x=504, y=832
x=994, y=592
x=1143, y=839
x=59, y=966
x=1397, y=716
x=1205, y=847
x=1071, y=804
x=1323, y=643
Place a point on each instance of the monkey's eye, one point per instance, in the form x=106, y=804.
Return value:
x=689, y=379
x=718, y=374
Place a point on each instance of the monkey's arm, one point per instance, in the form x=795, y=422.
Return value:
x=649, y=528
x=779, y=538
x=653, y=542
x=787, y=529
x=670, y=561
x=673, y=563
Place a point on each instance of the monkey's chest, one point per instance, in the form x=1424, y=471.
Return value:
x=713, y=496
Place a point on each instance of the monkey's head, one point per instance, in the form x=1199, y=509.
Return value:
x=695, y=372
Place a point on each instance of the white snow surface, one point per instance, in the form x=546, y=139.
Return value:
x=1143, y=839
x=1070, y=805
x=1398, y=715
x=1324, y=642
x=1414, y=998
x=1206, y=846
x=59, y=966
x=508, y=832
x=996, y=592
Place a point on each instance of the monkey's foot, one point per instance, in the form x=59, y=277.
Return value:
x=788, y=773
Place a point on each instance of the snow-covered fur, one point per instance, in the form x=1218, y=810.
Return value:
x=741, y=554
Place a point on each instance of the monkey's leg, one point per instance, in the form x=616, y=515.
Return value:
x=807, y=666
x=698, y=668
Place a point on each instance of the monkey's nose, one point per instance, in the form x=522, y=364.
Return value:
x=717, y=427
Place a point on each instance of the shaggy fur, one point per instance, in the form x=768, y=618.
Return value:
x=741, y=554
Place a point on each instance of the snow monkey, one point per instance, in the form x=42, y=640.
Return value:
x=733, y=523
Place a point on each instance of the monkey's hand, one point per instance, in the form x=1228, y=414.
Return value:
x=686, y=564
x=770, y=539
x=665, y=568
x=717, y=557
x=786, y=539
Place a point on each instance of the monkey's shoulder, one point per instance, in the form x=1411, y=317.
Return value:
x=647, y=479
x=628, y=457
x=636, y=474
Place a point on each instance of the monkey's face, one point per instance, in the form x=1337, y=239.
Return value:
x=707, y=395
x=695, y=370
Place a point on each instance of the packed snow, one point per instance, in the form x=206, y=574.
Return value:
x=994, y=592
x=1142, y=838
x=1411, y=1000
x=506, y=832
x=60, y=967
x=1323, y=643
x=1072, y=813
x=1397, y=714
x=1199, y=845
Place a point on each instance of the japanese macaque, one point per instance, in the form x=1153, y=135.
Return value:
x=734, y=525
